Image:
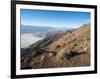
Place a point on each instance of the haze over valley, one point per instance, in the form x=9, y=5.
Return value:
x=32, y=34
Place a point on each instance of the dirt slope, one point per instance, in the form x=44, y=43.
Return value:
x=64, y=50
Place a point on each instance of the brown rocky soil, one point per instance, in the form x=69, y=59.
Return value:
x=65, y=50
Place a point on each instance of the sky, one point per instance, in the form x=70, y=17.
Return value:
x=57, y=19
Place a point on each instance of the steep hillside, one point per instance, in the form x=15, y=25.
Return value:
x=68, y=49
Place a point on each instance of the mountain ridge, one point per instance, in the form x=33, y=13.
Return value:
x=61, y=50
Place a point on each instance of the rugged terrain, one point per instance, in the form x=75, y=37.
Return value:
x=68, y=49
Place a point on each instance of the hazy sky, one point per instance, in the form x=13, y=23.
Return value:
x=54, y=18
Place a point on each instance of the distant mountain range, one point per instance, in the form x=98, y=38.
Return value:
x=64, y=49
x=32, y=29
x=44, y=29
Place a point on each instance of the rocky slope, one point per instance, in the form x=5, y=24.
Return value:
x=68, y=49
